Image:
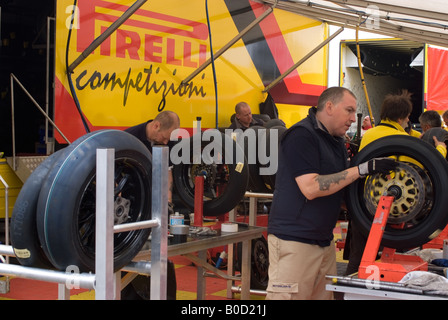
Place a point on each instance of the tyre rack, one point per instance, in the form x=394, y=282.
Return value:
x=105, y=282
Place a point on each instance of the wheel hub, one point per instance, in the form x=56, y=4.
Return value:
x=405, y=185
x=121, y=210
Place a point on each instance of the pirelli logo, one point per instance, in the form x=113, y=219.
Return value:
x=146, y=36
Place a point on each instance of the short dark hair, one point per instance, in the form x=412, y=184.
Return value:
x=396, y=106
x=240, y=105
x=167, y=119
x=431, y=118
x=445, y=115
x=333, y=94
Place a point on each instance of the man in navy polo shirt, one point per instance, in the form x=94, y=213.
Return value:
x=313, y=171
x=158, y=132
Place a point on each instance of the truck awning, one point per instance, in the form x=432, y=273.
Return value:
x=422, y=21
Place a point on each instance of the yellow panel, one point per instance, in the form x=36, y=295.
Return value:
x=292, y=114
x=137, y=72
x=14, y=186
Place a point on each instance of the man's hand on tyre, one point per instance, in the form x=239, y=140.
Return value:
x=377, y=165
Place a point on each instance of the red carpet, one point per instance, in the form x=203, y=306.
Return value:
x=186, y=275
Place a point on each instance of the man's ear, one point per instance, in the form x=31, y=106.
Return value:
x=156, y=125
x=329, y=107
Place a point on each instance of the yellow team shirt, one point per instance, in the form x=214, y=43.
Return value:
x=390, y=128
x=415, y=133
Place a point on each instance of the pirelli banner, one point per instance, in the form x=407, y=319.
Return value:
x=138, y=70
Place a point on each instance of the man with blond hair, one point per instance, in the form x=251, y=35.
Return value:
x=243, y=117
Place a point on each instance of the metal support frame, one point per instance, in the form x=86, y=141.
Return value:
x=392, y=267
x=5, y=184
x=105, y=282
x=4, y=284
x=401, y=9
x=13, y=79
x=84, y=280
x=104, y=238
x=49, y=144
x=159, y=237
x=350, y=17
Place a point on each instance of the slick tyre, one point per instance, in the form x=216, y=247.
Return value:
x=259, y=276
x=140, y=287
x=23, y=229
x=432, y=170
x=66, y=206
x=225, y=181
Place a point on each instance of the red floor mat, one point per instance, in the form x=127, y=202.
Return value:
x=186, y=275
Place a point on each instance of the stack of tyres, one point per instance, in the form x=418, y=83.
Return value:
x=53, y=221
x=416, y=227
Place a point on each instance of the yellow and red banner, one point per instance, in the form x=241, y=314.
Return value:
x=436, y=91
x=137, y=71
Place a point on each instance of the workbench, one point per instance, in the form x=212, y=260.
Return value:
x=357, y=293
x=201, y=244
x=365, y=289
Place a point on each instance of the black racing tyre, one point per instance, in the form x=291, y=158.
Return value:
x=269, y=180
x=256, y=182
x=405, y=228
x=23, y=229
x=274, y=123
x=225, y=180
x=259, y=263
x=251, y=145
x=140, y=287
x=440, y=133
x=66, y=206
x=256, y=128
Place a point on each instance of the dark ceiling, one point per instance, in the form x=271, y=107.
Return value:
x=23, y=45
x=23, y=33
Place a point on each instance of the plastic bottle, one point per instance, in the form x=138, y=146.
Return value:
x=176, y=219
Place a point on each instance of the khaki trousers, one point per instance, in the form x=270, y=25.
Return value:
x=297, y=270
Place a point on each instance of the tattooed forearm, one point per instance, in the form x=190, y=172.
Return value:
x=326, y=180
